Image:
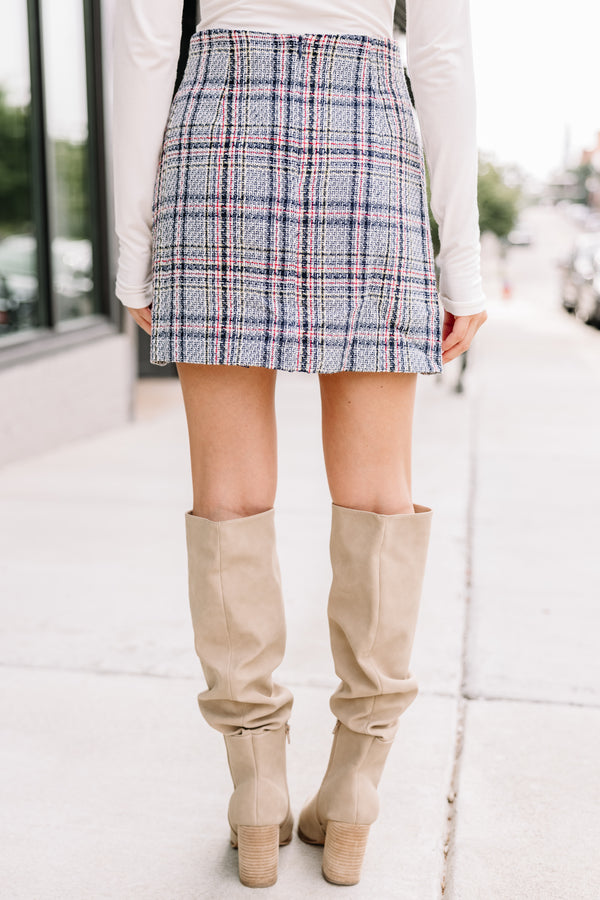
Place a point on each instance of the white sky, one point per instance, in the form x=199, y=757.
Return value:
x=535, y=64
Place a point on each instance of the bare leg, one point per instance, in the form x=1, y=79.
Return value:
x=230, y=414
x=236, y=599
x=367, y=436
x=378, y=543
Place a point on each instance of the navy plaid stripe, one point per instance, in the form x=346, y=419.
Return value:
x=290, y=222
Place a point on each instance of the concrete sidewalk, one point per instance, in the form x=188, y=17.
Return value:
x=113, y=785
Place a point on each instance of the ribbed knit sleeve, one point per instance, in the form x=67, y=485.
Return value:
x=146, y=40
x=439, y=59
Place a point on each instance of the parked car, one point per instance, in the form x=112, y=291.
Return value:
x=592, y=223
x=73, y=286
x=588, y=300
x=519, y=237
x=578, y=269
x=18, y=282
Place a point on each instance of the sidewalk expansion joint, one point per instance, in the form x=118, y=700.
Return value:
x=299, y=683
x=462, y=699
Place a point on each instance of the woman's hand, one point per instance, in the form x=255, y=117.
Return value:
x=143, y=317
x=458, y=332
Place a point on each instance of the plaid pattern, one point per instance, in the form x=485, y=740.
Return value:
x=290, y=222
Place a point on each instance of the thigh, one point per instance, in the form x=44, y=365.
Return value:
x=366, y=422
x=230, y=414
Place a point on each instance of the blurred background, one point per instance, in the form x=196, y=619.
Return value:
x=113, y=786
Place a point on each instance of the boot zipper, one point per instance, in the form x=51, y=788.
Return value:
x=287, y=733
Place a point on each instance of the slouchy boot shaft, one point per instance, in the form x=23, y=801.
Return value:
x=378, y=564
x=238, y=618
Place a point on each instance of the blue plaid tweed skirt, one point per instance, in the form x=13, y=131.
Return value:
x=290, y=225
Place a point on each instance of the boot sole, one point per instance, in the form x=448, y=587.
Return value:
x=308, y=840
x=344, y=852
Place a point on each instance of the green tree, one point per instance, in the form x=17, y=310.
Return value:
x=498, y=200
x=582, y=172
x=71, y=171
x=68, y=163
x=498, y=197
x=15, y=194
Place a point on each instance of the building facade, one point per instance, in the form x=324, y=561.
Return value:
x=69, y=352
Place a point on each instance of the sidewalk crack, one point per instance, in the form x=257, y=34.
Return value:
x=459, y=735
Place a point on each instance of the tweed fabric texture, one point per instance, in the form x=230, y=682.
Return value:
x=290, y=225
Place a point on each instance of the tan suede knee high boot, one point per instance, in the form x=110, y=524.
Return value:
x=239, y=630
x=378, y=564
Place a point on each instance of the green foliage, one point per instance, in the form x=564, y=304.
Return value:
x=499, y=200
x=72, y=189
x=68, y=164
x=15, y=142
x=582, y=173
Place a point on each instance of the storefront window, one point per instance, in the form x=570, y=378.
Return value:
x=53, y=213
x=19, y=294
x=67, y=159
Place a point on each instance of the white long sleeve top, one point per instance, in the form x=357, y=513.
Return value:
x=439, y=59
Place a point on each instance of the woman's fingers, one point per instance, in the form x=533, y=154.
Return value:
x=143, y=317
x=458, y=332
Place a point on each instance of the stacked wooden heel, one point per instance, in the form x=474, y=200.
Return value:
x=344, y=852
x=258, y=854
